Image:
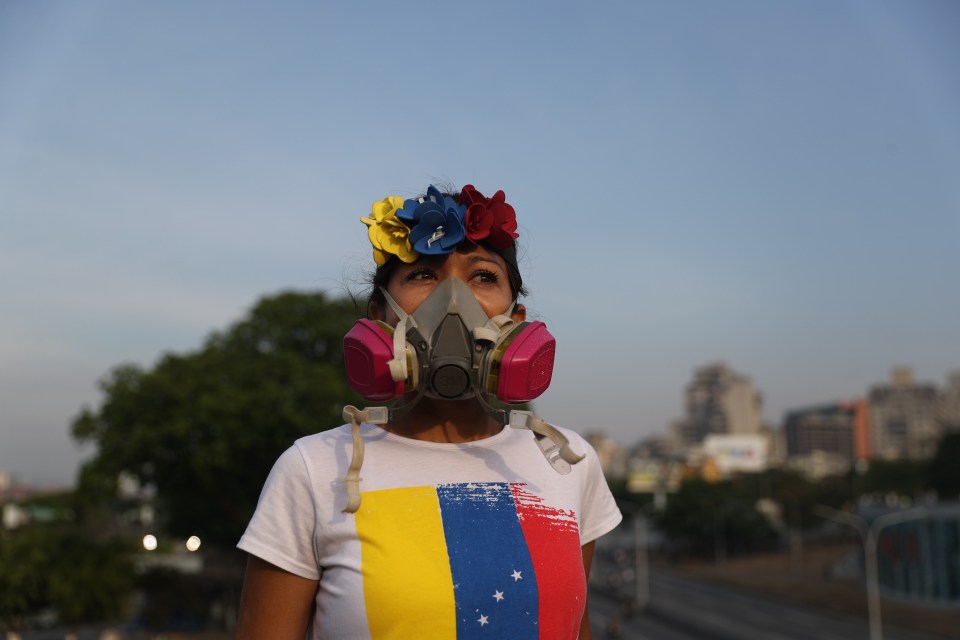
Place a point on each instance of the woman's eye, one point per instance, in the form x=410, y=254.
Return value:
x=486, y=276
x=420, y=274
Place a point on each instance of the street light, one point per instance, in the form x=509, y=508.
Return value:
x=870, y=535
x=642, y=594
x=641, y=561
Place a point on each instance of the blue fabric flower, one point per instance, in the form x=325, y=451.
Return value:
x=436, y=224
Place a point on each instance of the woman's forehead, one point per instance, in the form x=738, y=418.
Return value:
x=470, y=254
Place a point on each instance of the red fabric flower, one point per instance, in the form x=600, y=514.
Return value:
x=490, y=219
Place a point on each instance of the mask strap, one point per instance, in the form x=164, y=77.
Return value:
x=398, y=409
x=398, y=365
x=506, y=316
x=373, y=415
x=495, y=325
x=554, y=445
x=370, y=415
x=558, y=452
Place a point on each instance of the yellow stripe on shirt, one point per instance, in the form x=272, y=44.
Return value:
x=407, y=583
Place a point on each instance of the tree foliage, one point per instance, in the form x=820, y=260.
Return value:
x=89, y=579
x=204, y=428
x=906, y=477
x=22, y=582
x=944, y=468
x=707, y=517
x=62, y=567
x=799, y=496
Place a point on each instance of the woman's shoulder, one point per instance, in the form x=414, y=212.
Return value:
x=317, y=453
x=327, y=435
x=327, y=440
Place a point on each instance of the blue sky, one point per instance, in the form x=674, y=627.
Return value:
x=772, y=184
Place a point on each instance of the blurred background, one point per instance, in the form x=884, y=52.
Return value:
x=739, y=220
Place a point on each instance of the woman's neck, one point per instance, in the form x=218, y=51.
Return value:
x=445, y=421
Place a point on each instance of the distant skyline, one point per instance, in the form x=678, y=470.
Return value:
x=770, y=185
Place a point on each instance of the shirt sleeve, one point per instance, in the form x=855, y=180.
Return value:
x=283, y=526
x=600, y=512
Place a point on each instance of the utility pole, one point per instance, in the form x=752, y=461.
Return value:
x=869, y=536
x=642, y=595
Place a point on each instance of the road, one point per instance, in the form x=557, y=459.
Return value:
x=685, y=610
x=682, y=609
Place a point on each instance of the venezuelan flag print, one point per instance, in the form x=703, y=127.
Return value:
x=464, y=561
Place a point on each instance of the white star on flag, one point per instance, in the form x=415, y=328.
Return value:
x=498, y=596
x=516, y=575
x=483, y=620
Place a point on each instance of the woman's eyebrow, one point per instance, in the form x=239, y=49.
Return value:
x=481, y=258
x=429, y=262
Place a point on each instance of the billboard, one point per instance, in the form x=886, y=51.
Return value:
x=740, y=452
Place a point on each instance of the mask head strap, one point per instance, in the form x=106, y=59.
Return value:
x=398, y=365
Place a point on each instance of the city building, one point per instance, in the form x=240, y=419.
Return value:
x=818, y=465
x=658, y=447
x=839, y=429
x=948, y=407
x=777, y=454
x=905, y=417
x=655, y=465
x=12, y=491
x=718, y=401
x=612, y=455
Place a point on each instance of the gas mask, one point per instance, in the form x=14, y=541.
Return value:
x=449, y=349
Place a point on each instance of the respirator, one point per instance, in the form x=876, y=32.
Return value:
x=449, y=349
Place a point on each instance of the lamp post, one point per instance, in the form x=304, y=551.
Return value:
x=642, y=568
x=870, y=535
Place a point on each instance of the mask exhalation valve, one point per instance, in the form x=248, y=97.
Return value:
x=450, y=380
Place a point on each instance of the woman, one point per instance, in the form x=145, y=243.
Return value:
x=468, y=520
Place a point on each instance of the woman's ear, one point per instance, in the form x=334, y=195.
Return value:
x=519, y=313
x=374, y=311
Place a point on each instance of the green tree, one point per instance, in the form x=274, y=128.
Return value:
x=944, y=469
x=797, y=495
x=704, y=517
x=904, y=477
x=204, y=428
x=88, y=580
x=59, y=566
x=23, y=588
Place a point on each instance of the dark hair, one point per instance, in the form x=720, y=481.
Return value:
x=381, y=277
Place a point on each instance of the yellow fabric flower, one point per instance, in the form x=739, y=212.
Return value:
x=388, y=234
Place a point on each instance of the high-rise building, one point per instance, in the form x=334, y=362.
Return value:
x=612, y=455
x=904, y=417
x=948, y=407
x=718, y=401
x=840, y=429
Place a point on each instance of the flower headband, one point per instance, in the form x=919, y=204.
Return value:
x=437, y=224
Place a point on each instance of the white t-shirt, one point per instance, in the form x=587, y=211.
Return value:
x=474, y=540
